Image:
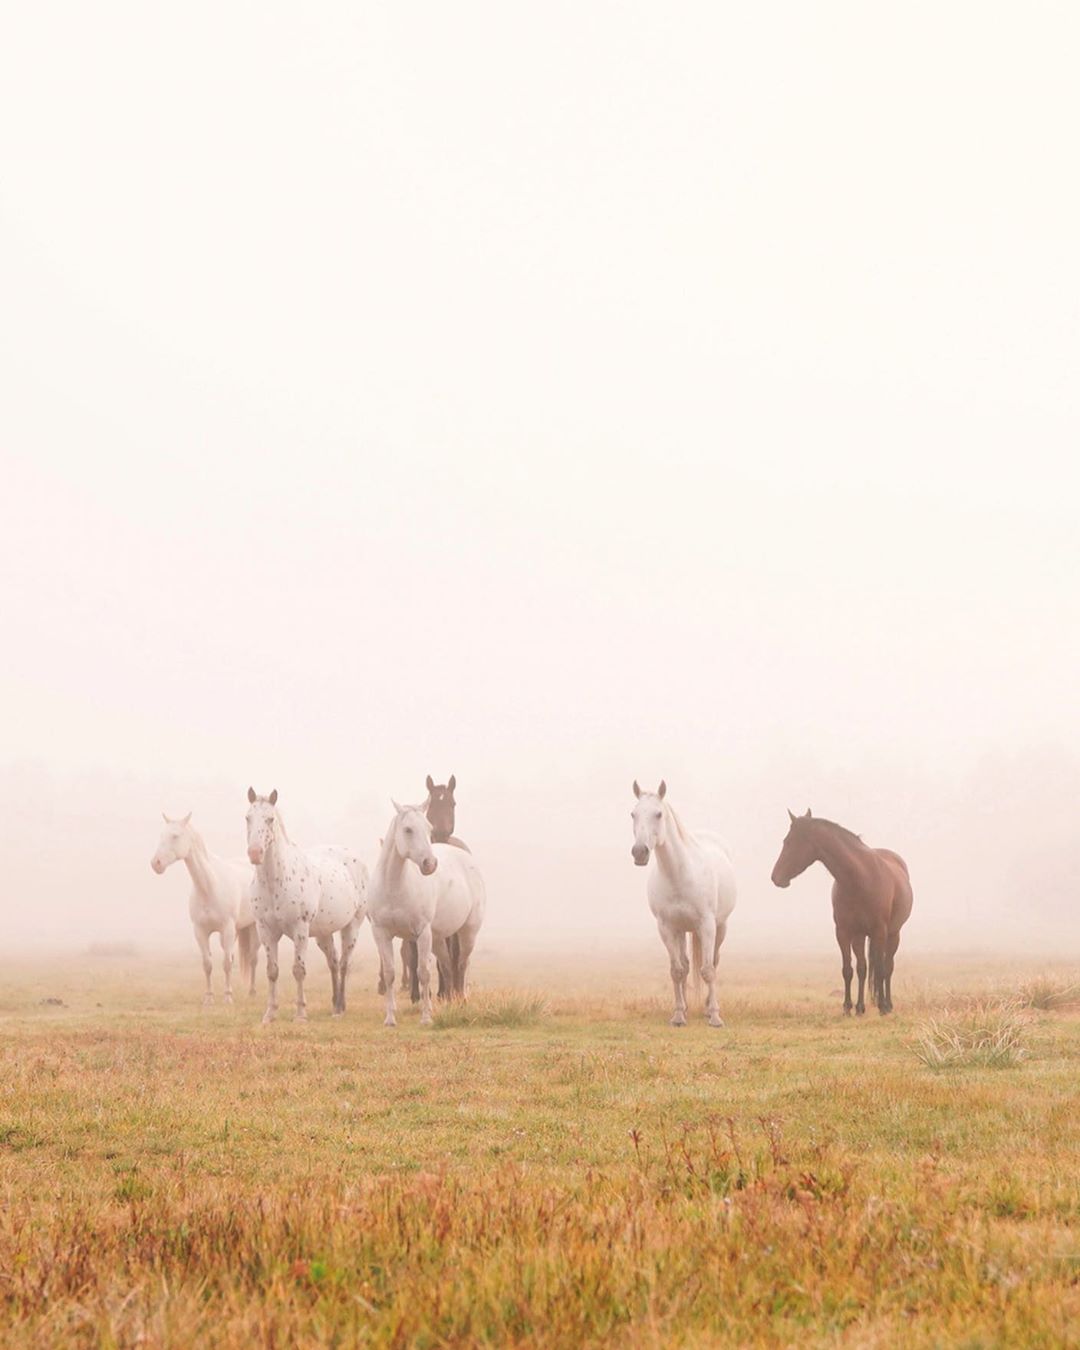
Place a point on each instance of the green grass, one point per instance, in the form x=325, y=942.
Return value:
x=988, y=1035
x=565, y=1171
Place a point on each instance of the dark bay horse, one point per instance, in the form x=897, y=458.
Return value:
x=440, y=812
x=871, y=898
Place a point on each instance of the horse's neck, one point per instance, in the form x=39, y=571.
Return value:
x=198, y=864
x=391, y=864
x=844, y=858
x=671, y=856
x=275, y=857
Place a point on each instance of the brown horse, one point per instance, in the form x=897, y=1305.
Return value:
x=440, y=812
x=871, y=898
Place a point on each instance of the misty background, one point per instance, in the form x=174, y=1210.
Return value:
x=553, y=396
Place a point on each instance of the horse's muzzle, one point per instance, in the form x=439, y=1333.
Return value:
x=157, y=865
x=255, y=855
x=782, y=882
x=428, y=866
x=640, y=855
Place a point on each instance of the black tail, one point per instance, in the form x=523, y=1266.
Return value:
x=412, y=960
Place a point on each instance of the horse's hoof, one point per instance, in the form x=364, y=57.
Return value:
x=860, y=1012
x=208, y=1000
x=425, y=1019
x=228, y=998
x=715, y=1021
x=679, y=1020
x=267, y=1018
x=300, y=1017
x=390, y=1022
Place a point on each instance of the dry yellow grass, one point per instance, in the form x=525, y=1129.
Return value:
x=575, y=1174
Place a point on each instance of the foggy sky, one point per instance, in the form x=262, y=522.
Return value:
x=554, y=396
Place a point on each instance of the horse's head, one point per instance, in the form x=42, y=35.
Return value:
x=262, y=824
x=650, y=822
x=411, y=835
x=440, y=807
x=798, y=852
x=174, y=844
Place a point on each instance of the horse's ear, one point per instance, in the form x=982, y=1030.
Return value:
x=251, y=795
x=807, y=813
x=397, y=809
x=791, y=815
x=452, y=784
x=637, y=790
x=661, y=791
x=165, y=818
x=430, y=783
x=272, y=799
x=187, y=819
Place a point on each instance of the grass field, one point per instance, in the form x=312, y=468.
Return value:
x=562, y=1171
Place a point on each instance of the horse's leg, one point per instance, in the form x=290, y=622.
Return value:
x=326, y=946
x=349, y=934
x=707, y=939
x=384, y=944
x=423, y=968
x=414, y=970
x=299, y=969
x=891, y=945
x=271, y=945
x=228, y=945
x=680, y=968
x=859, y=943
x=202, y=937
x=844, y=943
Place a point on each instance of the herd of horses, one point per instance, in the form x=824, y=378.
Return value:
x=427, y=891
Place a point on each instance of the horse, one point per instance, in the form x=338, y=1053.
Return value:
x=424, y=892
x=871, y=898
x=299, y=893
x=440, y=808
x=691, y=890
x=220, y=901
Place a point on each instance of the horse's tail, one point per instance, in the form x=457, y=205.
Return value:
x=455, y=964
x=247, y=942
x=696, y=961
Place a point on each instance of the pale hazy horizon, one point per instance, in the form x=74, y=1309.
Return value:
x=555, y=398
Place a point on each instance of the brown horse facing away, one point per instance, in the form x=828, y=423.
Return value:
x=871, y=898
x=440, y=812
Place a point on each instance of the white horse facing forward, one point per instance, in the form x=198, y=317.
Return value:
x=298, y=893
x=426, y=893
x=220, y=901
x=691, y=890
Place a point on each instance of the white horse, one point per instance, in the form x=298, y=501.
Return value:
x=220, y=900
x=301, y=892
x=691, y=890
x=427, y=893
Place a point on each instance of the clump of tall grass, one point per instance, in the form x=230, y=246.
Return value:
x=1048, y=992
x=986, y=1035
x=493, y=1010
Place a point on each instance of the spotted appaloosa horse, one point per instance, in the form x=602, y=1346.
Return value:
x=301, y=892
x=871, y=898
x=440, y=808
x=220, y=901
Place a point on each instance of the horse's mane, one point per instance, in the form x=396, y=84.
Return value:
x=841, y=830
x=686, y=835
x=281, y=823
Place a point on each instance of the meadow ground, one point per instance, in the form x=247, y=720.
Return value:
x=582, y=1175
